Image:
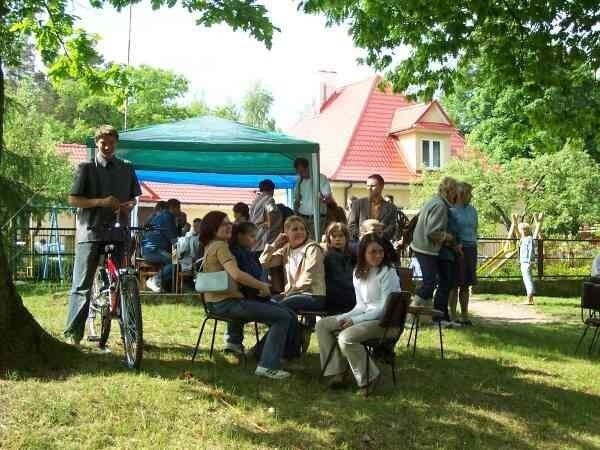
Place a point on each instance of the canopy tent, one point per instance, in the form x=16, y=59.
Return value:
x=216, y=152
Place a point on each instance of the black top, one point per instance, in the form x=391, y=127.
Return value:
x=93, y=180
x=338, y=281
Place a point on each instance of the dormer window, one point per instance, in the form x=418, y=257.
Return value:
x=431, y=154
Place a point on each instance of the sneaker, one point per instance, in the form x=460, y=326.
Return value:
x=236, y=349
x=152, y=284
x=274, y=374
x=421, y=302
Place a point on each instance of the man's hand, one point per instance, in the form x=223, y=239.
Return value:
x=111, y=202
x=127, y=206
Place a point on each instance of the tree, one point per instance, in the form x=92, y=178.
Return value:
x=520, y=66
x=563, y=185
x=257, y=108
x=70, y=54
x=227, y=111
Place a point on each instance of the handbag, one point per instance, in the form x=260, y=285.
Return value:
x=211, y=281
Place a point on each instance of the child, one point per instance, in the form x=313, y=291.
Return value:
x=526, y=257
x=338, y=270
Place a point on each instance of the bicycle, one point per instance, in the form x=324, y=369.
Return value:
x=115, y=296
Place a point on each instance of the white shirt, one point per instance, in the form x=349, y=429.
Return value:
x=306, y=194
x=371, y=294
x=294, y=261
x=596, y=267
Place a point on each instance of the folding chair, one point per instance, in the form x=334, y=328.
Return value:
x=217, y=318
x=590, y=312
x=417, y=312
x=392, y=322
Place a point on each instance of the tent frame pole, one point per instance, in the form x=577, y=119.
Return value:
x=315, y=176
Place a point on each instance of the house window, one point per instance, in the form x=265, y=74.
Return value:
x=431, y=154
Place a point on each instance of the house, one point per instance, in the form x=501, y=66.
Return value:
x=363, y=130
x=195, y=200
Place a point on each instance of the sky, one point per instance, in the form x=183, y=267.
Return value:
x=222, y=65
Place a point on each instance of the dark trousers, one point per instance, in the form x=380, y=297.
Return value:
x=307, y=302
x=446, y=281
x=429, y=271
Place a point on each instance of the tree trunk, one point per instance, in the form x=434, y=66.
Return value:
x=23, y=342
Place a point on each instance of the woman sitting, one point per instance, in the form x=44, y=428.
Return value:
x=302, y=260
x=340, y=296
x=374, y=279
x=215, y=233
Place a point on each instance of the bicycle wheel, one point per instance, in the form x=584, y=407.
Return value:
x=131, y=321
x=98, y=322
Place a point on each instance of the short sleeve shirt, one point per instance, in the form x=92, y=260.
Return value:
x=94, y=180
x=306, y=194
x=217, y=254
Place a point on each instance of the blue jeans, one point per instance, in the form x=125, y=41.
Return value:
x=160, y=257
x=87, y=258
x=429, y=270
x=446, y=281
x=242, y=311
x=307, y=302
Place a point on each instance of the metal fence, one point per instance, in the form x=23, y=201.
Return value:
x=46, y=254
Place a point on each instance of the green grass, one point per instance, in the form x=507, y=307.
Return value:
x=516, y=386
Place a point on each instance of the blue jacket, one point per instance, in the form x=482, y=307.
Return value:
x=248, y=263
x=164, y=234
x=526, y=250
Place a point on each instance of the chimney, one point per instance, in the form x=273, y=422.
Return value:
x=327, y=86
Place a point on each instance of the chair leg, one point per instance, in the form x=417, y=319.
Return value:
x=412, y=326
x=593, y=340
x=418, y=320
x=393, y=364
x=256, y=332
x=328, y=359
x=199, y=338
x=212, y=343
x=441, y=339
x=581, y=338
x=368, y=370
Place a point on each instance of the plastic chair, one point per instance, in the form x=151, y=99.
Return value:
x=392, y=321
x=590, y=312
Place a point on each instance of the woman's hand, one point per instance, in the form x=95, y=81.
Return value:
x=344, y=323
x=280, y=241
x=265, y=290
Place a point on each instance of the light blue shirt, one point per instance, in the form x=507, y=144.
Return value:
x=526, y=251
x=467, y=223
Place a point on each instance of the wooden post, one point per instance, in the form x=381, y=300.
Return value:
x=540, y=258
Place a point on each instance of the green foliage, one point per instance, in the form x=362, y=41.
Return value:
x=32, y=173
x=564, y=186
x=227, y=111
x=257, y=108
x=523, y=74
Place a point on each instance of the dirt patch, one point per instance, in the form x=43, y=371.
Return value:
x=504, y=312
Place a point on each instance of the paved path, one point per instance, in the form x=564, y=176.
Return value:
x=504, y=312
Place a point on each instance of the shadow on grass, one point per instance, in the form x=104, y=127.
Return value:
x=463, y=401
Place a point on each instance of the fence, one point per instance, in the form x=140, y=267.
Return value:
x=46, y=254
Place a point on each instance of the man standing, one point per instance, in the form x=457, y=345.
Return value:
x=373, y=207
x=104, y=190
x=303, y=195
x=266, y=216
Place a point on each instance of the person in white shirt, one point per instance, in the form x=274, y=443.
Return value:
x=374, y=280
x=596, y=267
x=188, y=247
x=303, y=194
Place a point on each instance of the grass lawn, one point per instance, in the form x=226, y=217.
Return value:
x=501, y=386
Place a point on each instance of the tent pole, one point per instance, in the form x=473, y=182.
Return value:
x=315, y=176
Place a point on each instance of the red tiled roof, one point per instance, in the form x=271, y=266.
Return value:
x=76, y=153
x=353, y=130
x=185, y=193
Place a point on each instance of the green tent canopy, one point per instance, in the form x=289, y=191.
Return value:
x=212, y=145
